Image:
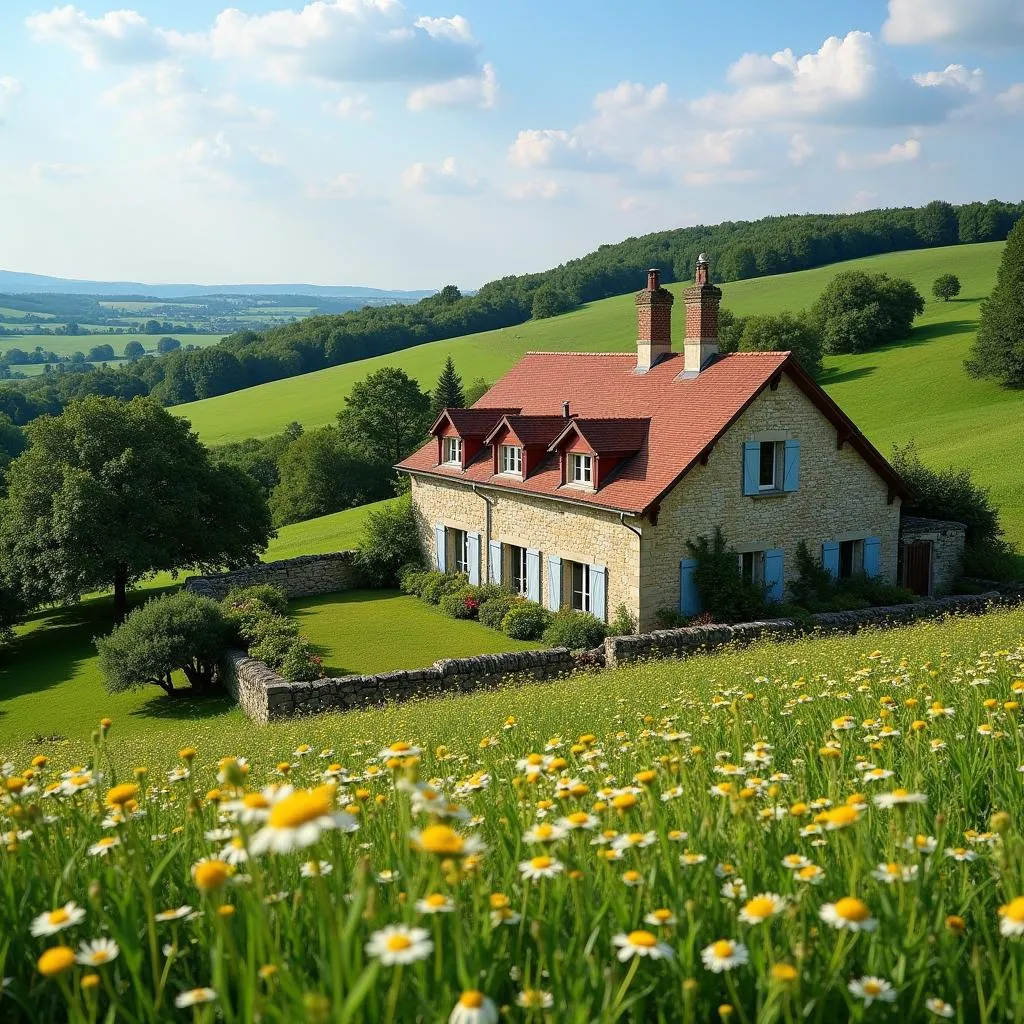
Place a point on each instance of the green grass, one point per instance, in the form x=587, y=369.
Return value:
x=367, y=631
x=916, y=390
x=65, y=346
x=336, y=532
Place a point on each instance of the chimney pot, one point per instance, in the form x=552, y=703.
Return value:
x=700, y=344
x=565, y=410
x=653, y=279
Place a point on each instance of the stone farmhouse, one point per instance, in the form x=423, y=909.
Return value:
x=578, y=479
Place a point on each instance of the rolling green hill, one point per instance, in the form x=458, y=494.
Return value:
x=915, y=390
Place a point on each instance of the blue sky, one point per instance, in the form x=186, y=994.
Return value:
x=412, y=144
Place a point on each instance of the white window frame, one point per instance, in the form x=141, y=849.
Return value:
x=585, y=603
x=458, y=549
x=856, y=557
x=512, y=460
x=581, y=469
x=452, y=451
x=778, y=457
x=515, y=561
x=755, y=560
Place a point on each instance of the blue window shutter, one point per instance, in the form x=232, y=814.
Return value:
x=473, y=557
x=872, y=556
x=689, y=597
x=533, y=575
x=599, y=591
x=751, y=466
x=554, y=583
x=830, y=558
x=494, y=562
x=439, y=547
x=773, y=583
x=791, y=466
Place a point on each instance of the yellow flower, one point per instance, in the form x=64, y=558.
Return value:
x=187, y=753
x=90, y=981
x=624, y=801
x=118, y=796
x=440, y=839
x=56, y=960
x=785, y=973
x=210, y=875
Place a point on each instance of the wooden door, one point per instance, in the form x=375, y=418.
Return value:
x=917, y=567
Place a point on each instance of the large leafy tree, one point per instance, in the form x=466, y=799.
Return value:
x=999, y=347
x=109, y=492
x=386, y=415
x=784, y=332
x=857, y=311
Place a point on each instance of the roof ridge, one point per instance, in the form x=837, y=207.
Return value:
x=543, y=353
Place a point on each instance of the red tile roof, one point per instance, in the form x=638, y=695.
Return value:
x=473, y=422
x=531, y=430
x=686, y=416
x=606, y=435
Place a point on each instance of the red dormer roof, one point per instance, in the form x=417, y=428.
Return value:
x=607, y=435
x=684, y=417
x=472, y=423
x=530, y=431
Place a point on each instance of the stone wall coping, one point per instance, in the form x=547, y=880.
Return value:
x=913, y=524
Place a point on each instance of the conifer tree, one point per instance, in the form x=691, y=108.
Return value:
x=448, y=393
x=999, y=347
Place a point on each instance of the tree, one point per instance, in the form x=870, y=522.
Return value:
x=101, y=353
x=448, y=391
x=215, y=371
x=164, y=345
x=319, y=475
x=449, y=293
x=550, y=300
x=386, y=415
x=998, y=350
x=936, y=223
x=946, y=287
x=784, y=332
x=152, y=327
x=389, y=542
x=12, y=444
x=176, y=632
x=134, y=350
x=858, y=311
x=111, y=491
x=475, y=390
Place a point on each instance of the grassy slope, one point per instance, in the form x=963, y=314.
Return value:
x=917, y=390
x=83, y=342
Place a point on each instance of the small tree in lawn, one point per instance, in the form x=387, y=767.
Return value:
x=448, y=391
x=109, y=492
x=179, y=632
x=946, y=287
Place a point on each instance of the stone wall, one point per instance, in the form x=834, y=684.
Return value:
x=674, y=643
x=947, y=540
x=266, y=697
x=304, y=576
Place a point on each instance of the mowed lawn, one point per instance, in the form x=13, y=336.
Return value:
x=917, y=390
x=366, y=631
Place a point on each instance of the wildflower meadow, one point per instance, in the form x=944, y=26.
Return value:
x=821, y=831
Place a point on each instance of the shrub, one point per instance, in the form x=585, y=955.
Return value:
x=525, y=621
x=578, y=631
x=411, y=578
x=460, y=604
x=857, y=311
x=670, y=618
x=271, y=639
x=992, y=559
x=389, y=542
x=271, y=597
x=441, y=583
x=723, y=591
x=623, y=622
x=177, y=632
x=493, y=610
x=300, y=663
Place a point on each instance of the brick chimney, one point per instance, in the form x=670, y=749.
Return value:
x=700, y=346
x=653, y=322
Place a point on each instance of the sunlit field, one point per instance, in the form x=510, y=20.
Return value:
x=822, y=830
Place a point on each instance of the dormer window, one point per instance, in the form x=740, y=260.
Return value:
x=512, y=459
x=581, y=469
x=453, y=451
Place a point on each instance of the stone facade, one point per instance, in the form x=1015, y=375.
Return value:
x=840, y=498
x=946, y=539
x=305, y=576
x=265, y=696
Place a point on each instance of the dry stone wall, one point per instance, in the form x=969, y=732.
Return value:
x=304, y=576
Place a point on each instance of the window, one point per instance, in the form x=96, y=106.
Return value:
x=581, y=468
x=579, y=586
x=512, y=459
x=516, y=568
x=770, y=466
x=458, y=550
x=851, y=558
x=752, y=567
x=453, y=450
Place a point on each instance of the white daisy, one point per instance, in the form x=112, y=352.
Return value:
x=103, y=846
x=940, y=1008
x=762, y=907
x=172, y=915
x=959, y=853
x=544, y=832
x=57, y=920
x=849, y=913
x=297, y=819
x=540, y=867
x=194, y=996
x=899, y=797
x=870, y=989
x=99, y=951
x=724, y=955
x=399, y=944
x=893, y=872
x=641, y=943
x=473, y=1007
x=435, y=903
x=316, y=869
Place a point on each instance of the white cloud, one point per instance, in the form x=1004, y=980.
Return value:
x=348, y=41
x=848, y=81
x=1012, y=101
x=720, y=176
x=898, y=153
x=864, y=199
x=542, y=188
x=118, y=37
x=220, y=161
x=632, y=97
x=343, y=186
x=10, y=89
x=466, y=91
x=799, y=150
x=954, y=76
x=59, y=172
x=355, y=107
x=964, y=22
x=554, y=147
x=445, y=179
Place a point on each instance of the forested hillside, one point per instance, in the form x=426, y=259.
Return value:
x=738, y=250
